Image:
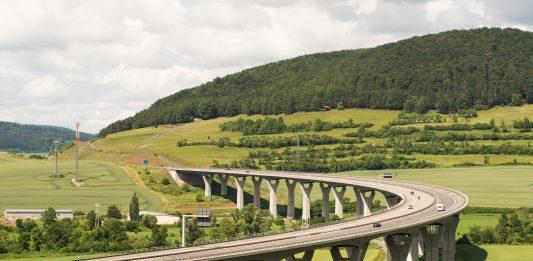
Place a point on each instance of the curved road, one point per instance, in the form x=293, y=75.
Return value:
x=398, y=219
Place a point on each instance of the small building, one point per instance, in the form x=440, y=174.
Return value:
x=162, y=218
x=325, y=107
x=14, y=214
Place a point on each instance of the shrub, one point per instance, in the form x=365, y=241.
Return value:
x=165, y=181
x=149, y=221
x=199, y=197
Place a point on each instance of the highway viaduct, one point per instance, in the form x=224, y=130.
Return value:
x=411, y=224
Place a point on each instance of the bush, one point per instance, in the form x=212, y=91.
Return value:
x=114, y=212
x=132, y=226
x=199, y=197
x=149, y=221
x=165, y=181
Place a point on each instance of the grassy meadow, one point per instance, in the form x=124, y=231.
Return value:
x=26, y=185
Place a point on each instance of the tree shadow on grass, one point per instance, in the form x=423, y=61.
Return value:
x=468, y=251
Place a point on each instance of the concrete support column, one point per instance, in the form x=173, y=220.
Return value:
x=355, y=253
x=308, y=256
x=224, y=184
x=432, y=236
x=208, y=179
x=306, y=202
x=239, y=182
x=273, y=200
x=291, y=185
x=448, y=238
x=364, y=202
x=326, y=188
x=339, y=200
x=414, y=251
x=398, y=246
x=391, y=200
x=257, y=191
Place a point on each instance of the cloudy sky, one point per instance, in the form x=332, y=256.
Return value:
x=100, y=61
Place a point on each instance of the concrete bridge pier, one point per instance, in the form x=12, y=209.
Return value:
x=398, y=246
x=325, y=188
x=415, y=251
x=256, y=181
x=273, y=199
x=306, y=202
x=208, y=179
x=339, y=200
x=364, y=202
x=391, y=200
x=308, y=256
x=291, y=185
x=356, y=252
x=239, y=182
x=432, y=236
x=448, y=238
x=224, y=184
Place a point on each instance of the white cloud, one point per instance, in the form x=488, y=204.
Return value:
x=98, y=61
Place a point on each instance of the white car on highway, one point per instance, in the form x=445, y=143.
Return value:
x=440, y=207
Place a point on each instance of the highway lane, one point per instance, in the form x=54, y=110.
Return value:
x=398, y=219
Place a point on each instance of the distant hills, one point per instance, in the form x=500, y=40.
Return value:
x=449, y=71
x=35, y=138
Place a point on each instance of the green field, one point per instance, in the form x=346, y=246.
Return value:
x=482, y=220
x=26, y=185
x=498, y=186
x=494, y=252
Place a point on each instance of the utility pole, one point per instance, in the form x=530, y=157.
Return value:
x=56, y=142
x=77, y=152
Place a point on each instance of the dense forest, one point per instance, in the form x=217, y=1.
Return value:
x=35, y=138
x=449, y=72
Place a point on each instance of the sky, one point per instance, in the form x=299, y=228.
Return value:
x=100, y=61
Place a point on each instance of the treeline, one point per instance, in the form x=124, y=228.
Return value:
x=274, y=142
x=461, y=127
x=403, y=146
x=273, y=126
x=449, y=71
x=430, y=136
x=385, y=132
x=523, y=125
x=81, y=235
x=405, y=118
x=35, y=138
x=513, y=228
x=365, y=162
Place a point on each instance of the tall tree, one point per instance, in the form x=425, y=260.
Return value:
x=134, y=208
x=49, y=217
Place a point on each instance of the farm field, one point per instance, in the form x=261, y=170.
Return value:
x=26, y=185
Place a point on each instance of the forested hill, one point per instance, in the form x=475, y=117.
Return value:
x=447, y=71
x=35, y=138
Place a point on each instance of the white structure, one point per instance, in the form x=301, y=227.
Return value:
x=14, y=214
x=162, y=218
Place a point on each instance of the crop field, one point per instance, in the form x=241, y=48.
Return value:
x=26, y=185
